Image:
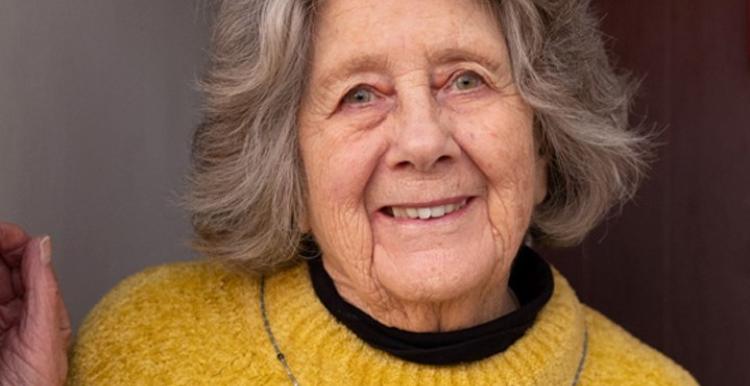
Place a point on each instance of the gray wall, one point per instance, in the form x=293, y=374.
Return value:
x=97, y=104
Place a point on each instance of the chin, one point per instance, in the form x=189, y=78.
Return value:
x=438, y=275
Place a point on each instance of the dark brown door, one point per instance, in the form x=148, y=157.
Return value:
x=674, y=267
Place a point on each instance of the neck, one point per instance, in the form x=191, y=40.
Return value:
x=477, y=306
x=553, y=345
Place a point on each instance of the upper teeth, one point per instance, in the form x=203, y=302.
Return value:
x=425, y=213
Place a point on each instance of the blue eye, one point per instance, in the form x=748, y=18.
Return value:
x=359, y=95
x=467, y=81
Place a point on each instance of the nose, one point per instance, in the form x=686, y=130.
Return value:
x=421, y=140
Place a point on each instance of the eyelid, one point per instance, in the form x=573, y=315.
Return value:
x=344, y=105
x=482, y=79
x=360, y=86
x=343, y=102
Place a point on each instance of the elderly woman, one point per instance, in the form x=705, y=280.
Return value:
x=368, y=181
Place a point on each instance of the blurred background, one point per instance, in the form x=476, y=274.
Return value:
x=98, y=102
x=674, y=267
x=97, y=105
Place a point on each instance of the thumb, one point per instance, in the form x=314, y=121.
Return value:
x=45, y=326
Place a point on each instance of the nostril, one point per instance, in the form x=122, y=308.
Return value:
x=403, y=165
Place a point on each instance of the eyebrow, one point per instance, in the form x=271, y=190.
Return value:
x=370, y=62
x=452, y=55
x=358, y=64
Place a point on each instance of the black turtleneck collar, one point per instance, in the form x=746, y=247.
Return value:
x=530, y=279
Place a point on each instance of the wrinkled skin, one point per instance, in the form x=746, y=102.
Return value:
x=34, y=324
x=411, y=104
x=431, y=115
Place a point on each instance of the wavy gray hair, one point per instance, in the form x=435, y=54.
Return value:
x=247, y=183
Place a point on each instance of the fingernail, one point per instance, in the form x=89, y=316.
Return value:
x=46, y=251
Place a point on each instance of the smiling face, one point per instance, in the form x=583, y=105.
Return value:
x=419, y=154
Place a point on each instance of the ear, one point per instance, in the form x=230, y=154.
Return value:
x=540, y=178
x=303, y=222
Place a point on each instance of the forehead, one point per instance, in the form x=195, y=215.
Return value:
x=384, y=33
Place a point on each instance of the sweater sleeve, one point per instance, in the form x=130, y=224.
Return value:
x=175, y=324
x=615, y=357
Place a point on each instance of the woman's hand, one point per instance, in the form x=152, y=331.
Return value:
x=34, y=324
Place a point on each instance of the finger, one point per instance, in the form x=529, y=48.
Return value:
x=13, y=258
x=66, y=334
x=39, y=325
x=66, y=330
x=15, y=277
x=10, y=314
x=6, y=284
x=11, y=237
x=63, y=317
x=12, y=242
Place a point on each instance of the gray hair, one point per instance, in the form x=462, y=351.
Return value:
x=247, y=183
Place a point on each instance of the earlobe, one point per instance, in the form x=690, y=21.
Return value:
x=540, y=179
x=301, y=212
x=303, y=224
x=540, y=163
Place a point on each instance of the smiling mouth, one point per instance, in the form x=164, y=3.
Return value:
x=424, y=212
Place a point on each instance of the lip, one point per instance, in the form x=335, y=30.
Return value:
x=444, y=219
x=429, y=204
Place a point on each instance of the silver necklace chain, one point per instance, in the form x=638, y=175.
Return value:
x=267, y=325
x=282, y=359
x=584, y=354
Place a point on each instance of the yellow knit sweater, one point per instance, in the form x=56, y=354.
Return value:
x=199, y=323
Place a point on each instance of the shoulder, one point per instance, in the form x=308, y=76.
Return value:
x=168, y=324
x=167, y=293
x=617, y=357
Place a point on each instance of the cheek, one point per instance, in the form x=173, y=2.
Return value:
x=500, y=143
x=338, y=168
